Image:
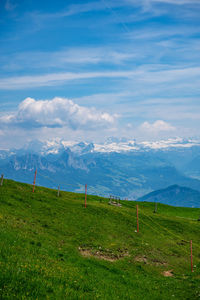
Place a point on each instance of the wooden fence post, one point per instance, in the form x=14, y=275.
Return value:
x=58, y=191
x=155, y=208
x=2, y=179
x=85, y=195
x=137, y=219
x=191, y=256
x=34, y=180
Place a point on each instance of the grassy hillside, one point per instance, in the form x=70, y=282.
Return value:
x=54, y=248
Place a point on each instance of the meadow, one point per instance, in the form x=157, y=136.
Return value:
x=54, y=248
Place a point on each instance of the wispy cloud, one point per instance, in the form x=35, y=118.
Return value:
x=80, y=56
x=141, y=74
x=166, y=32
x=149, y=3
x=23, y=82
x=176, y=2
x=74, y=9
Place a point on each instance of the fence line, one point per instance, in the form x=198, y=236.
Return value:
x=170, y=234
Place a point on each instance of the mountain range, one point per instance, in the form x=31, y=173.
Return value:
x=123, y=168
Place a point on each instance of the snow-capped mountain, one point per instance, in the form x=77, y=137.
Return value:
x=124, y=168
x=56, y=146
x=120, y=145
x=114, y=145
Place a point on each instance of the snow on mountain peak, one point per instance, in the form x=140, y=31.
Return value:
x=171, y=143
x=58, y=145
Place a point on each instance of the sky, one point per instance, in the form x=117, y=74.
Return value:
x=88, y=70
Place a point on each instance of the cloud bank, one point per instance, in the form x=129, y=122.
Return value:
x=57, y=113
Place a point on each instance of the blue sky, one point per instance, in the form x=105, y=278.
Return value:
x=86, y=70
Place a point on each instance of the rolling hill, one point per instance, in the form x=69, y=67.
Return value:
x=174, y=195
x=54, y=248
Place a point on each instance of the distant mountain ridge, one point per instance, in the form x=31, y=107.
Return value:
x=110, y=145
x=174, y=195
x=110, y=168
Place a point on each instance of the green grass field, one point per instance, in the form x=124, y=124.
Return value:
x=54, y=248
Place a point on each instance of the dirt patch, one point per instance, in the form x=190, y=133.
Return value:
x=168, y=273
x=88, y=253
x=109, y=256
x=144, y=260
x=158, y=262
x=114, y=203
x=141, y=259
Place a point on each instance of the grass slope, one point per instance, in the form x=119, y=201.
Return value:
x=53, y=248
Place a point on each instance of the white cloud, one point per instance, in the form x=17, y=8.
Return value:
x=157, y=127
x=57, y=113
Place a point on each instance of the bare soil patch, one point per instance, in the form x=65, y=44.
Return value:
x=109, y=256
x=150, y=261
x=168, y=273
x=141, y=259
x=159, y=262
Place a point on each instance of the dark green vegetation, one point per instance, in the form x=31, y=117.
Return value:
x=54, y=248
x=174, y=195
